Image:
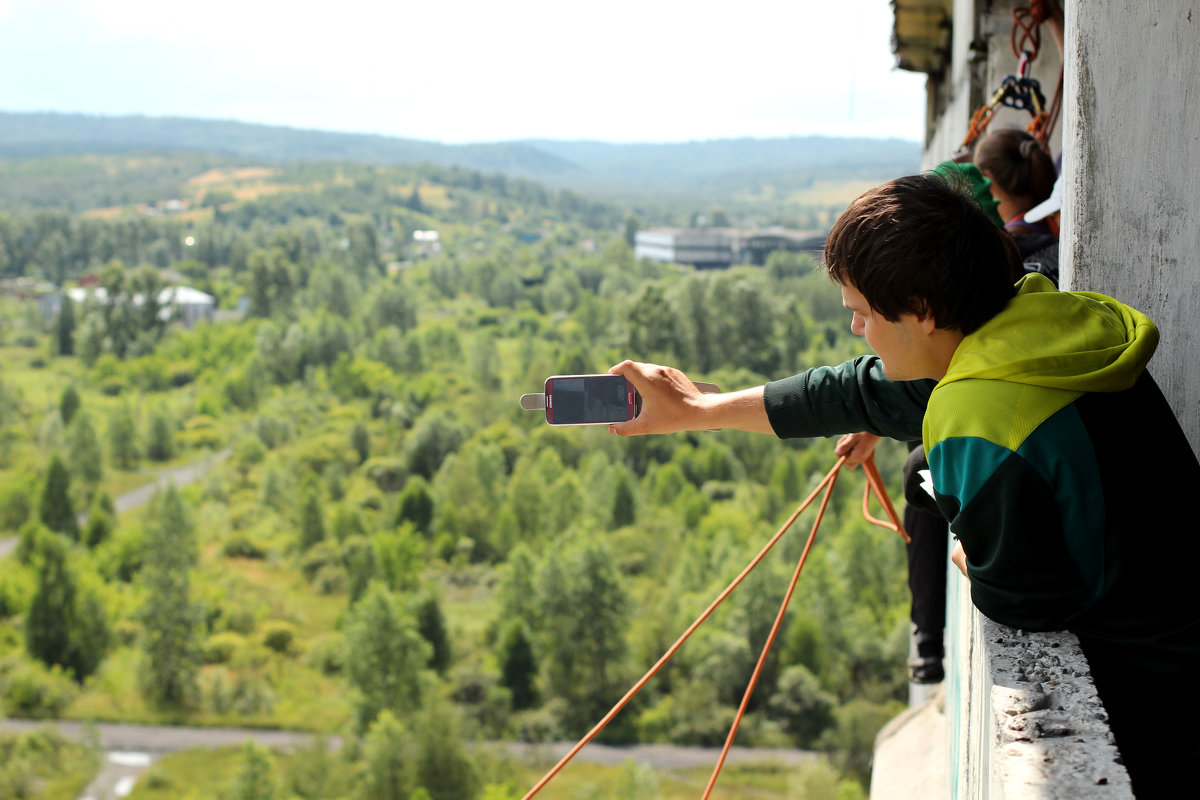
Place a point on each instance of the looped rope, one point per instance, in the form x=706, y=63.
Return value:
x=874, y=486
x=1028, y=20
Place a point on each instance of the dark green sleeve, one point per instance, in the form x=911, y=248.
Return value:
x=851, y=397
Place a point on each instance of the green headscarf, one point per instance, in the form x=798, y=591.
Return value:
x=981, y=187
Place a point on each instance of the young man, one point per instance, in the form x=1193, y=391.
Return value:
x=1054, y=455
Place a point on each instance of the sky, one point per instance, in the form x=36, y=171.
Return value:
x=459, y=71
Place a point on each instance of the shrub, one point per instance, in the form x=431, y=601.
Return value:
x=29, y=689
x=319, y=452
x=387, y=473
x=252, y=695
x=327, y=654
x=126, y=632
x=331, y=579
x=280, y=636
x=16, y=499
x=199, y=432
x=182, y=373
x=15, y=591
x=112, y=387
x=220, y=648
x=240, y=545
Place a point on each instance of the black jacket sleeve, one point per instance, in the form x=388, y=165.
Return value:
x=851, y=397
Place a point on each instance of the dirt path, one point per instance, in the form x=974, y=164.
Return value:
x=180, y=476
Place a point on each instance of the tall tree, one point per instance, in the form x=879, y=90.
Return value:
x=360, y=440
x=518, y=664
x=312, y=518
x=83, y=449
x=385, y=655
x=255, y=778
x=160, y=437
x=583, y=603
x=54, y=508
x=432, y=626
x=624, y=509
x=122, y=437
x=415, y=504
x=443, y=767
x=68, y=404
x=64, y=328
x=388, y=769
x=170, y=617
x=66, y=624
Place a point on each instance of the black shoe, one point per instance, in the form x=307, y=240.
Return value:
x=926, y=670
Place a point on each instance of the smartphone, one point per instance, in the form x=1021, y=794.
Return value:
x=590, y=400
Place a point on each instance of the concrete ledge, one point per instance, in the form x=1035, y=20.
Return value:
x=1051, y=730
x=1018, y=718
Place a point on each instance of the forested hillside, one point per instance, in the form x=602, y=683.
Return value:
x=779, y=177
x=387, y=547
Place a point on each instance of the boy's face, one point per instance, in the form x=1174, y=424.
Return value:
x=898, y=344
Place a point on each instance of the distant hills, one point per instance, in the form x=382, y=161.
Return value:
x=703, y=167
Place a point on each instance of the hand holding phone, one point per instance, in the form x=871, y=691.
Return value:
x=671, y=400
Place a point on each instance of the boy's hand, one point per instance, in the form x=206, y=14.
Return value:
x=670, y=402
x=856, y=447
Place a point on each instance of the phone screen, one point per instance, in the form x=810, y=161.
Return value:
x=589, y=400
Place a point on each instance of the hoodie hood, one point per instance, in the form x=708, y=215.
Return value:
x=1093, y=344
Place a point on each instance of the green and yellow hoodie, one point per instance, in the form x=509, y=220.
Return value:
x=1054, y=457
x=1068, y=481
x=1037, y=439
x=1010, y=436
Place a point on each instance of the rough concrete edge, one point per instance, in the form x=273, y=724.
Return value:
x=1051, y=730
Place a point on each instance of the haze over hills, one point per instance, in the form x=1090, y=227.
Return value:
x=658, y=169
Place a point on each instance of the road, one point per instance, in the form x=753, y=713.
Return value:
x=130, y=749
x=180, y=476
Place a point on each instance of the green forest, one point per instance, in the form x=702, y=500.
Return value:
x=378, y=544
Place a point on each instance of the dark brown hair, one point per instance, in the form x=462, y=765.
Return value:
x=921, y=245
x=1017, y=164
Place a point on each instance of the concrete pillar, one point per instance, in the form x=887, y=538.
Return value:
x=1131, y=144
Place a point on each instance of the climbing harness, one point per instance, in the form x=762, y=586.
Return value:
x=874, y=486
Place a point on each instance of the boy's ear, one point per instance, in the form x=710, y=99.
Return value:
x=925, y=315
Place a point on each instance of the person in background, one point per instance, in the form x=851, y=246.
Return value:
x=1022, y=175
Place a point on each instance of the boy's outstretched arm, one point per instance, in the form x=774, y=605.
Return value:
x=671, y=403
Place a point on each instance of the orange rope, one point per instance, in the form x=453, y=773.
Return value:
x=762, y=658
x=874, y=484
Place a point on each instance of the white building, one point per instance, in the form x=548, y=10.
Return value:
x=703, y=249
x=181, y=304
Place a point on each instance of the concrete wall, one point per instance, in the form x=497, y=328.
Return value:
x=1131, y=216
x=950, y=101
